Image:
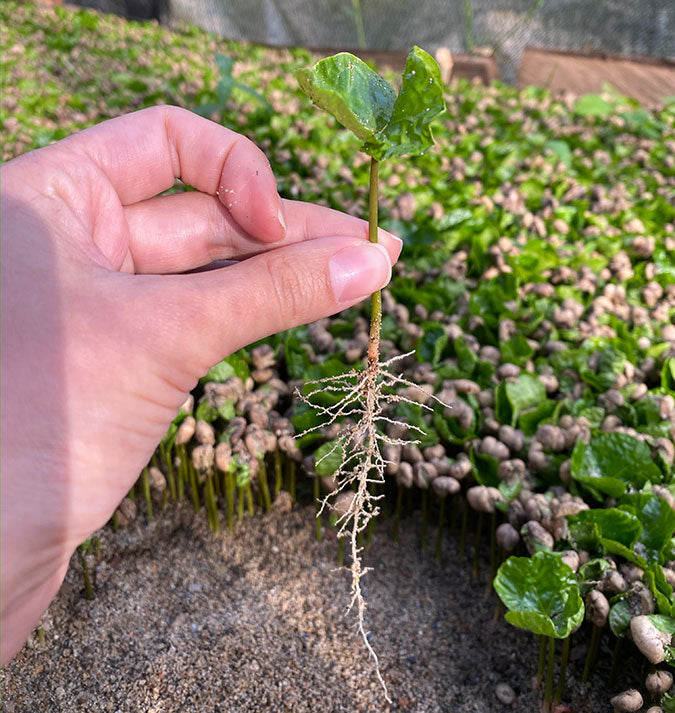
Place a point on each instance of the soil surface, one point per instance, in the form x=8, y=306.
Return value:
x=255, y=621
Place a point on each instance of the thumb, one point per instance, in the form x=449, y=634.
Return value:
x=220, y=311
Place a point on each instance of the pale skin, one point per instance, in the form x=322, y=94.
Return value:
x=103, y=337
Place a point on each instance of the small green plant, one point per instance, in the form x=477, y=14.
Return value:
x=226, y=86
x=389, y=125
x=542, y=595
x=87, y=548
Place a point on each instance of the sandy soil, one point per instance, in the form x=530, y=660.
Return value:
x=184, y=621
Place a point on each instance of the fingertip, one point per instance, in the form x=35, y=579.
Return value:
x=392, y=243
x=248, y=189
x=357, y=271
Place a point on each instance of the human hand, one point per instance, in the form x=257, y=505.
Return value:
x=102, y=338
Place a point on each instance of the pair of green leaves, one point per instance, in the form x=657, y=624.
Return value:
x=541, y=594
x=513, y=398
x=612, y=462
x=366, y=104
x=639, y=530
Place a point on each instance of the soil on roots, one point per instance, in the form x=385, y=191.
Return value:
x=255, y=621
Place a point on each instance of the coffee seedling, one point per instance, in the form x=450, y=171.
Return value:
x=389, y=125
x=542, y=595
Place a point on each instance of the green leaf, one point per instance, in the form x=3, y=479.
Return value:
x=231, y=366
x=529, y=420
x=226, y=410
x=449, y=428
x=328, y=456
x=613, y=461
x=613, y=547
x=415, y=416
x=225, y=64
x=347, y=87
x=243, y=473
x=224, y=90
x=485, y=468
x=657, y=518
x=303, y=419
x=663, y=623
x=514, y=397
x=668, y=375
x=668, y=701
x=541, y=593
x=509, y=491
x=453, y=218
x=206, y=412
x=619, y=618
x=516, y=350
x=610, y=364
x=535, y=257
x=466, y=357
x=561, y=149
x=589, y=527
x=430, y=347
x=592, y=105
x=419, y=101
x=655, y=579
x=592, y=570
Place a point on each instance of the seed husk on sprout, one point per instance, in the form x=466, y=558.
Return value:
x=288, y=446
x=442, y=486
x=203, y=460
x=627, y=702
x=597, y=611
x=157, y=482
x=184, y=434
x=658, y=683
x=649, y=639
x=536, y=537
x=507, y=537
x=126, y=512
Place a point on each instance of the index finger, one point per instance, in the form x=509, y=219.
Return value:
x=141, y=155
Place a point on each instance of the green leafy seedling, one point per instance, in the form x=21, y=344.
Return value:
x=388, y=125
x=226, y=86
x=542, y=595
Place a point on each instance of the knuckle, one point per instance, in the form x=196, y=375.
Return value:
x=292, y=289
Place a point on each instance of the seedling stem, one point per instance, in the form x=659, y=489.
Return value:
x=146, y=492
x=560, y=690
x=549, y=675
x=277, y=472
x=592, y=653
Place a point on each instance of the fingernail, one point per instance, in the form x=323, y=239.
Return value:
x=394, y=239
x=280, y=218
x=358, y=271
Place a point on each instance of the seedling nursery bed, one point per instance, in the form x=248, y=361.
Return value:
x=523, y=558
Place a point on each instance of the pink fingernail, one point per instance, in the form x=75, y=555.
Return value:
x=394, y=238
x=358, y=271
x=280, y=218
